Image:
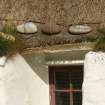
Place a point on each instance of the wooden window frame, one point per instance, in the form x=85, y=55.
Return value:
x=52, y=70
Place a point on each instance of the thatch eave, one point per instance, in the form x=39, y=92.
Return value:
x=60, y=54
x=60, y=48
x=42, y=40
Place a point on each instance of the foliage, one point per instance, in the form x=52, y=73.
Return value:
x=10, y=43
x=6, y=46
x=9, y=30
x=100, y=42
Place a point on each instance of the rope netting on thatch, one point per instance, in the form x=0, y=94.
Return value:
x=59, y=11
x=54, y=16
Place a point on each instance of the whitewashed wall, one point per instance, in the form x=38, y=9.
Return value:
x=21, y=84
x=94, y=79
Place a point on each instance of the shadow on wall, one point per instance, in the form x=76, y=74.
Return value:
x=37, y=63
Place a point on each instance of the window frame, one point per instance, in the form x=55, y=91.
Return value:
x=61, y=68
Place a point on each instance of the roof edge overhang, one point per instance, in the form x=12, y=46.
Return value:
x=61, y=48
x=61, y=54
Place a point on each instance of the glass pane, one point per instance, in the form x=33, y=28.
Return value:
x=77, y=79
x=62, y=80
x=77, y=98
x=62, y=99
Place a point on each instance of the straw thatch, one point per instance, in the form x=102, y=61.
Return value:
x=60, y=12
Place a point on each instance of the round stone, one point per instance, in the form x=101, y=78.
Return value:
x=27, y=28
x=79, y=29
x=51, y=28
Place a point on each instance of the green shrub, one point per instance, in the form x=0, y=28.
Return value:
x=100, y=42
x=10, y=42
x=9, y=30
x=6, y=46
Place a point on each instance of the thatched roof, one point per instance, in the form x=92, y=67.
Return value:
x=42, y=40
x=60, y=12
x=61, y=48
x=54, y=54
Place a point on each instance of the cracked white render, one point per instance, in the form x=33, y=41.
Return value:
x=94, y=79
x=20, y=84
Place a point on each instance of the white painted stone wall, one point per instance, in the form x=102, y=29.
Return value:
x=21, y=84
x=94, y=79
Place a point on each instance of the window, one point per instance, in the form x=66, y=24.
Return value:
x=65, y=85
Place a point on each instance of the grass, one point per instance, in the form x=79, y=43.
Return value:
x=6, y=46
x=9, y=30
x=10, y=42
x=100, y=42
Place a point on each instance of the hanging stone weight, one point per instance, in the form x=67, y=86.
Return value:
x=79, y=29
x=51, y=28
x=27, y=28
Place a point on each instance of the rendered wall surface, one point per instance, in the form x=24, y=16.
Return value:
x=21, y=84
x=94, y=79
